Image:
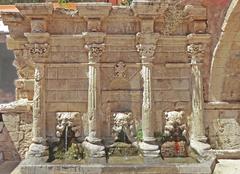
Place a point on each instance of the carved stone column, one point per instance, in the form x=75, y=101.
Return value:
x=146, y=52
x=93, y=142
x=146, y=47
x=196, y=52
x=94, y=53
x=38, y=51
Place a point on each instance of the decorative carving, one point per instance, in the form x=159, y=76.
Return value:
x=38, y=50
x=146, y=51
x=71, y=120
x=195, y=52
x=95, y=51
x=120, y=70
x=38, y=25
x=173, y=16
x=175, y=129
x=124, y=128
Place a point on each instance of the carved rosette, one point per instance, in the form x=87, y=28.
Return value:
x=38, y=50
x=195, y=52
x=95, y=52
x=120, y=70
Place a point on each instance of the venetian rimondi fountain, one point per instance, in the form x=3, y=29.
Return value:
x=113, y=89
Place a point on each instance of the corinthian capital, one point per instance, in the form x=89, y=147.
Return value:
x=95, y=51
x=38, y=50
x=146, y=51
x=195, y=51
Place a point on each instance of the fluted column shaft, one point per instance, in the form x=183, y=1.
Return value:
x=196, y=52
x=146, y=52
x=94, y=54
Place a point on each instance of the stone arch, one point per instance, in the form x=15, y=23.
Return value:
x=226, y=55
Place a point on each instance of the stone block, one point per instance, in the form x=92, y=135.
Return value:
x=172, y=96
x=160, y=72
x=58, y=85
x=52, y=73
x=178, y=84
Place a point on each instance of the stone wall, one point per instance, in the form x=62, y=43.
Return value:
x=16, y=130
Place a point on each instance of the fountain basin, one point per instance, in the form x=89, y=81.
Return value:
x=131, y=166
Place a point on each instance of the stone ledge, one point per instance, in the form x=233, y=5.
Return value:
x=226, y=154
x=19, y=106
x=221, y=105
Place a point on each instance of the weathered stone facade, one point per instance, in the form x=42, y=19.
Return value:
x=139, y=59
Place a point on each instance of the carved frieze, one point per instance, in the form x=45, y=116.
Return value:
x=38, y=50
x=95, y=51
x=173, y=17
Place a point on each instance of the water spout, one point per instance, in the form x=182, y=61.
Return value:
x=66, y=139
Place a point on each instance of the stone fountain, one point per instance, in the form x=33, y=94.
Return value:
x=103, y=79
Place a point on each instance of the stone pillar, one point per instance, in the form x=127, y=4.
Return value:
x=196, y=52
x=38, y=51
x=146, y=47
x=94, y=53
x=147, y=103
x=93, y=143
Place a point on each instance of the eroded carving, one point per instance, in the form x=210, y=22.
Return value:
x=124, y=128
x=173, y=17
x=195, y=51
x=24, y=65
x=38, y=50
x=95, y=51
x=72, y=120
x=175, y=129
x=146, y=51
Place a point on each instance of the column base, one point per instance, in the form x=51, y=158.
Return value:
x=94, y=150
x=37, y=150
x=149, y=150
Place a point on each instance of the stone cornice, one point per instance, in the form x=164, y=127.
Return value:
x=35, y=9
x=94, y=10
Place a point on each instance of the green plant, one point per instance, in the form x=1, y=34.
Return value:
x=63, y=3
x=126, y=2
x=139, y=135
